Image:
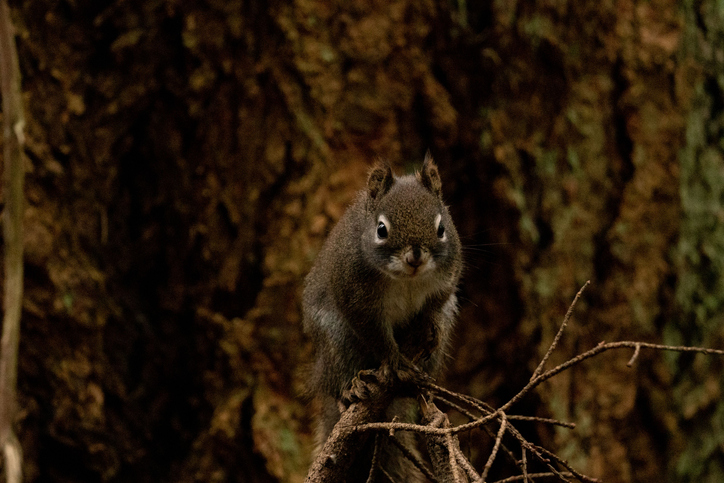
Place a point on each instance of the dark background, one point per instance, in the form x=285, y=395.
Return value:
x=186, y=159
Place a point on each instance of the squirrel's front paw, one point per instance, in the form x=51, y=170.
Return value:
x=402, y=370
x=361, y=387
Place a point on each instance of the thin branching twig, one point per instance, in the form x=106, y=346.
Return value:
x=564, y=463
x=470, y=415
x=373, y=466
x=537, y=419
x=606, y=346
x=494, y=453
x=635, y=356
x=419, y=464
x=526, y=445
x=528, y=476
x=557, y=338
x=481, y=414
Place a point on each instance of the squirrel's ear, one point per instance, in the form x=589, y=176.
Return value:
x=429, y=176
x=379, y=181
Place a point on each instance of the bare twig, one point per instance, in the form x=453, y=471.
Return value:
x=14, y=122
x=526, y=445
x=494, y=453
x=387, y=475
x=419, y=464
x=536, y=419
x=373, y=465
x=443, y=445
x=634, y=356
x=527, y=477
x=602, y=347
x=476, y=403
x=557, y=338
x=561, y=461
x=605, y=346
x=465, y=465
x=452, y=448
x=485, y=409
x=455, y=406
x=470, y=415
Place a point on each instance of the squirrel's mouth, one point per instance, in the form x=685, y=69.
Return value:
x=412, y=271
x=405, y=266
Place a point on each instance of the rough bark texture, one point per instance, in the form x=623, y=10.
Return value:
x=187, y=158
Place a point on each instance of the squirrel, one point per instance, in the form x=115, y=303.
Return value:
x=381, y=293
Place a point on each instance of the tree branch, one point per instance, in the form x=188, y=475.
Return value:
x=448, y=462
x=557, y=338
x=338, y=453
x=14, y=122
x=494, y=453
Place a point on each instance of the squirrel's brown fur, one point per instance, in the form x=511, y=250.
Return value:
x=382, y=290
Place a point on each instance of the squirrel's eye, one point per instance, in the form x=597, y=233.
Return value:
x=441, y=231
x=381, y=230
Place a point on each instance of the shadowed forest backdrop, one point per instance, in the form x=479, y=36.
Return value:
x=186, y=159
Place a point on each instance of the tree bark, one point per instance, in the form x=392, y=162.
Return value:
x=186, y=160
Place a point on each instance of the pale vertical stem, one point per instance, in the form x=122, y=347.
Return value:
x=13, y=141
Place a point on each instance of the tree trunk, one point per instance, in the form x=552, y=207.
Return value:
x=186, y=160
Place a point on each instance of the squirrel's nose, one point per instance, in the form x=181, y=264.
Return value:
x=414, y=257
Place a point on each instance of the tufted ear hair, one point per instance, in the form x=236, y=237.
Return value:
x=429, y=176
x=379, y=181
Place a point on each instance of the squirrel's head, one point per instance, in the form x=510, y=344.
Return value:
x=408, y=231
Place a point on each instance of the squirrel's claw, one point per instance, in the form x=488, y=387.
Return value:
x=360, y=387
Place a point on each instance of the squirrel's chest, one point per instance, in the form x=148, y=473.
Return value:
x=403, y=299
